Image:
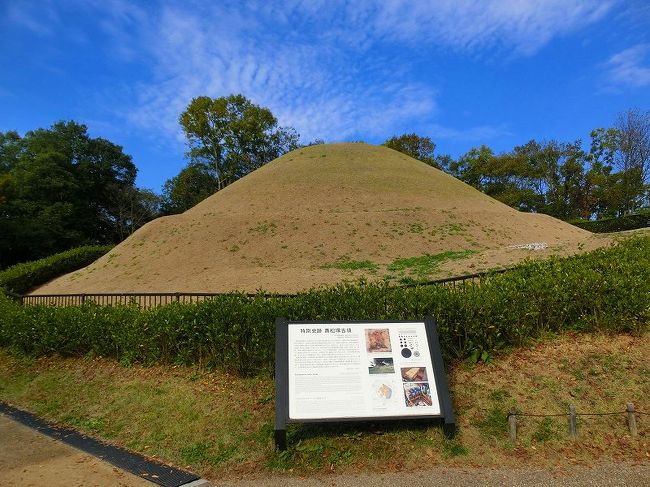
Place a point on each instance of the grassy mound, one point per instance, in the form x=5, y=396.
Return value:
x=318, y=216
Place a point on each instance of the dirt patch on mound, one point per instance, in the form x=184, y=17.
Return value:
x=320, y=215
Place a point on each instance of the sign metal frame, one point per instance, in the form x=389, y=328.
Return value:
x=446, y=417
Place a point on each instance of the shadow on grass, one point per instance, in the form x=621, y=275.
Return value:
x=305, y=431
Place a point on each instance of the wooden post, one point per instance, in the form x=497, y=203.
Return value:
x=573, y=422
x=631, y=419
x=512, y=421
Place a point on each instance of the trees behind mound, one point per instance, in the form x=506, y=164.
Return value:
x=418, y=147
x=562, y=179
x=228, y=137
x=61, y=188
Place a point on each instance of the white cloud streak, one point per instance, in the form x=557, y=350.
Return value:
x=319, y=89
x=630, y=67
x=313, y=63
x=319, y=65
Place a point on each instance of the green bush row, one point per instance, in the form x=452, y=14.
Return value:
x=607, y=225
x=22, y=278
x=608, y=289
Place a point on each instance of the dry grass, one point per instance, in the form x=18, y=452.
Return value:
x=595, y=373
x=221, y=426
x=285, y=226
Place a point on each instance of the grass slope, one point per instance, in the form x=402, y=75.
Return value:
x=294, y=223
x=222, y=426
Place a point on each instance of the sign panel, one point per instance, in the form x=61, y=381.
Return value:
x=360, y=371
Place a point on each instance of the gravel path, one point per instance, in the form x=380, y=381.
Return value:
x=603, y=475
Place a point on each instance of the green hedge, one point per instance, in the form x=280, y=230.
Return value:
x=22, y=278
x=608, y=289
x=607, y=225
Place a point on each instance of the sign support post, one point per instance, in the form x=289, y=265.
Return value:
x=449, y=424
x=281, y=383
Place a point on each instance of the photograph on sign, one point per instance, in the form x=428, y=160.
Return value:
x=359, y=370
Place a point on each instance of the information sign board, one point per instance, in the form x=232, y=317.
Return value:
x=358, y=371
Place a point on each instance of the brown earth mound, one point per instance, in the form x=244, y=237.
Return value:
x=320, y=215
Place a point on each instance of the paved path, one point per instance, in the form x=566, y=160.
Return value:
x=30, y=459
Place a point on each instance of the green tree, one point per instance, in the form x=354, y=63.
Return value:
x=472, y=167
x=193, y=184
x=539, y=163
x=546, y=177
x=420, y=148
x=568, y=198
x=233, y=136
x=135, y=207
x=59, y=188
x=632, y=157
x=626, y=149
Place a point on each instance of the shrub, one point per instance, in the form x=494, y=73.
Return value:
x=607, y=225
x=608, y=289
x=22, y=278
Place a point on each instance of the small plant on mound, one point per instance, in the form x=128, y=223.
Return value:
x=346, y=264
x=21, y=278
x=265, y=228
x=423, y=265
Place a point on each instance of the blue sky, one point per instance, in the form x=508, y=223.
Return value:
x=462, y=72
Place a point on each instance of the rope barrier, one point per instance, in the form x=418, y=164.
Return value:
x=557, y=415
x=572, y=417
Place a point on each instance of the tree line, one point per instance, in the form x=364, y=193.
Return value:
x=562, y=179
x=61, y=188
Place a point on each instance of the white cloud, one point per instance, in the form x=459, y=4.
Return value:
x=315, y=89
x=522, y=26
x=630, y=67
x=318, y=65
x=40, y=20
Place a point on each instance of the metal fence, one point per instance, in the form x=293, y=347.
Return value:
x=459, y=281
x=111, y=299
x=147, y=300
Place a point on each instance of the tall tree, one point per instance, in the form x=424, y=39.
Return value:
x=418, y=147
x=59, y=188
x=472, y=167
x=233, y=136
x=545, y=177
x=632, y=156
